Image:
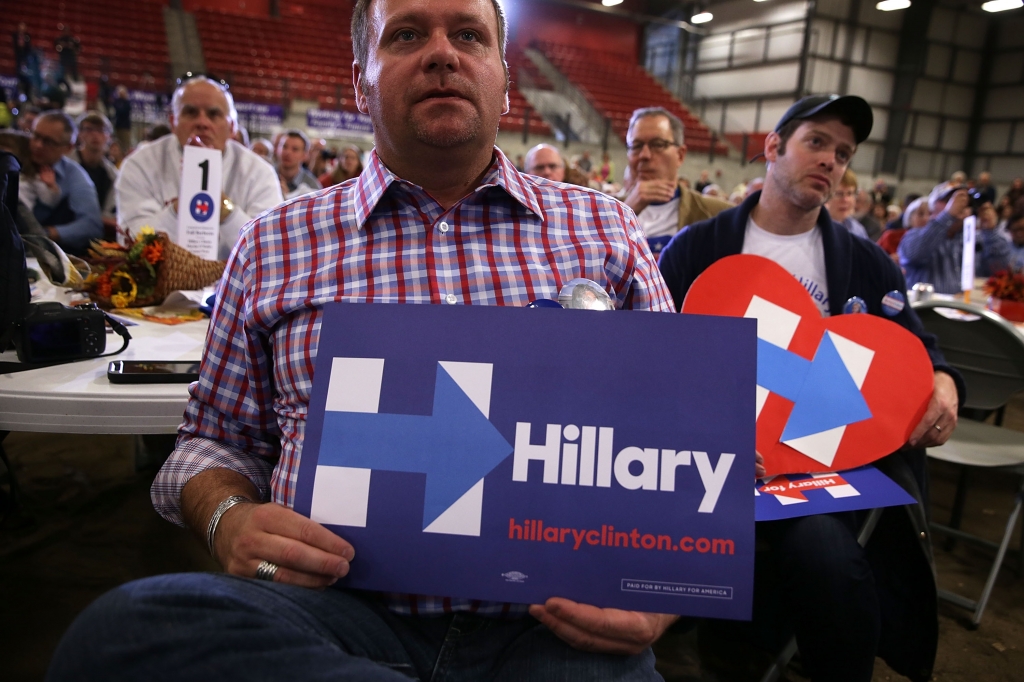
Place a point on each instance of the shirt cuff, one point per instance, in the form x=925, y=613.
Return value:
x=193, y=456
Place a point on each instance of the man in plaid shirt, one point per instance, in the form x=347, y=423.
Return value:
x=439, y=216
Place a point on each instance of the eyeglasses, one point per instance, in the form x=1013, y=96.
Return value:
x=657, y=145
x=843, y=193
x=192, y=75
x=49, y=141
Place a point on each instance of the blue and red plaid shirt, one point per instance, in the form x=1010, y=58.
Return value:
x=378, y=238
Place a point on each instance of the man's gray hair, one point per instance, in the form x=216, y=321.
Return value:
x=673, y=121
x=361, y=33
x=70, y=129
x=180, y=91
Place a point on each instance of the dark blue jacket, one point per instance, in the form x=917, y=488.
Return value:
x=900, y=550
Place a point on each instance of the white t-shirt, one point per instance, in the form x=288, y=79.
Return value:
x=802, y=255
x=659, y=220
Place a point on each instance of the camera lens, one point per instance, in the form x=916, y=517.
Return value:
x=977, y=198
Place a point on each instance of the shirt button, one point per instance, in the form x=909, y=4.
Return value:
x=443, y=227
x=450, y=299
x=923, y=536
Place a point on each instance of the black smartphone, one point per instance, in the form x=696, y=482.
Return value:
x=152, y=372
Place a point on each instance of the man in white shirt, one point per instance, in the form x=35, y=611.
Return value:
x=203, y=114
x=296, y=179
x=853, y=604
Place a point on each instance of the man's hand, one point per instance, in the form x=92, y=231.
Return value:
x=48, y=177
x=759, y=470
x=939, y=420
x=958, y=205
x=196, y=141
x=307, y=553
x=611, y=631
x=645, y=192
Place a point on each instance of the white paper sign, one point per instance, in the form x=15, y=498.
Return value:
x=967, y=264
x=199, y=201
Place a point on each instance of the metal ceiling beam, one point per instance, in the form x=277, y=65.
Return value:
x=632, y=16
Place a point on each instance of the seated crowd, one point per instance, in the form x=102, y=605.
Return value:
x=230, y=478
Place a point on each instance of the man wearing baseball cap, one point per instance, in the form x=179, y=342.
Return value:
x=844, y=603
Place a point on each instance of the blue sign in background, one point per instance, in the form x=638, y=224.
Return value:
x=559, y=367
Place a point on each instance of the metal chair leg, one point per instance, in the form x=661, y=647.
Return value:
x=781, y=661
x=1000, y=555
x=957, y=514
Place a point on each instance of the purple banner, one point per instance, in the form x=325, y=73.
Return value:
x=329, y=123
x=259, y=118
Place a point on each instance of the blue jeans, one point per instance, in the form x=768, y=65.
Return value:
x=197, y=626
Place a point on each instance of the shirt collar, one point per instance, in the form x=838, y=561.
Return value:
x=59, y=167
x=375, y=180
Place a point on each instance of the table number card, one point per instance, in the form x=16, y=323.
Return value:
x=199, y=201
x=967, y=265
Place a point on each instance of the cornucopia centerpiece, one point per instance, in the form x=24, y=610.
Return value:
x=144, y=270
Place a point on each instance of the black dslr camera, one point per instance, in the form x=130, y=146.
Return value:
x=51, y=332
x=975, y=198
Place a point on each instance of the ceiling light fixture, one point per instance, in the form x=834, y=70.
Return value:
x=890, y=5
x=1002, y=5
x=611, y=3
x=702, y=18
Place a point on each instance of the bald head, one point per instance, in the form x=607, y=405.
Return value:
x=204, y=110
x=545, y=161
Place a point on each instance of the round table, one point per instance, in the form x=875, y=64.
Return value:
x=77, y=397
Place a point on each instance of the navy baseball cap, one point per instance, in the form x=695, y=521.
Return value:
x=854, y=111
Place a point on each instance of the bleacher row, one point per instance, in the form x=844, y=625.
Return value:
x=275, y=60
x=123, y=38
x=615, y=87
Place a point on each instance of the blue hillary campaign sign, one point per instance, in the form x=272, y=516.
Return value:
x=516, y=454
x=795, y=495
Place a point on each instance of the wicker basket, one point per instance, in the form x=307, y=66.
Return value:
x=183, y=270
x=179, y=269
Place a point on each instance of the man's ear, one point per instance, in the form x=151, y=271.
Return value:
x=682, y=153
x=507, y=105
x=771, y=147
x=357, y=78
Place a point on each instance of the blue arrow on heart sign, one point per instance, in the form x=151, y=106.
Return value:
x=455, y=447
x=823, y=393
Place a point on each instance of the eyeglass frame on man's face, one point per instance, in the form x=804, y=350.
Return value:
x=49, y=141
x=657, y=146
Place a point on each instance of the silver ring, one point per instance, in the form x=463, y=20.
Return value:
x=266, y=571
x=938, y=428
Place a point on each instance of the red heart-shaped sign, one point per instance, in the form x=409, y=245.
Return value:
x=855, y=385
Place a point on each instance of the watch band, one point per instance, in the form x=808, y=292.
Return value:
x=219, y=512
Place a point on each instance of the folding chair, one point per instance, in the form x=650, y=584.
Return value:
x=989, y=353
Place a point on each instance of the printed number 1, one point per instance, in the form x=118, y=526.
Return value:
x=205, y=165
